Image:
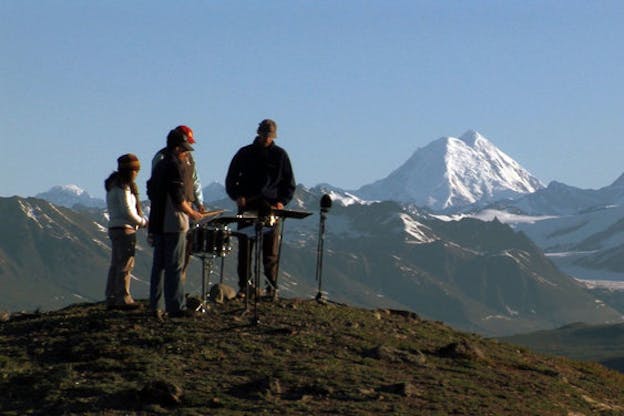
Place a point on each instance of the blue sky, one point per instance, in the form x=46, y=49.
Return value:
x=355, y=86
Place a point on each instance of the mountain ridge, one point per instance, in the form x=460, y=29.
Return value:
x=378, y=255
x=69, y=196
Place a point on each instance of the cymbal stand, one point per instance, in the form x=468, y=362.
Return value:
x=207, y=263
x=222, y=267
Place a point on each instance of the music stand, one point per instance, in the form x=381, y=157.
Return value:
x=260, y=227
x=253, y=279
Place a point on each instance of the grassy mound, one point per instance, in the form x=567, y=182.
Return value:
x=302, y=358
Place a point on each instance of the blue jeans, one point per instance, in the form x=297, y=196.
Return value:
x=168, y=258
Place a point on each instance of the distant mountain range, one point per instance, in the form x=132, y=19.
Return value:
x=475, y=275
x=582, y=230
x=70, y=196
x=562, y=199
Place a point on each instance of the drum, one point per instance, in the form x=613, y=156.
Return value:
x=211, y=240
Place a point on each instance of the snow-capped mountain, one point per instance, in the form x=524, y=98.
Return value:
x=69, y=196
x=337, y=195
x=453, y=173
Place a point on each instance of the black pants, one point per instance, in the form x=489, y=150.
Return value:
x=270, y=256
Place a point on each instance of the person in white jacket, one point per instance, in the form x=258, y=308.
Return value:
x=125, y=217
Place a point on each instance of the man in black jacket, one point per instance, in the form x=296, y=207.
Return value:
x=260, y=178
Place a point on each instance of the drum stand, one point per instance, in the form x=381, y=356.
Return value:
x=207, y=264
x=259, y=224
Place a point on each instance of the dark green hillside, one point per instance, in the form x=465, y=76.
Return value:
x=52, y=256
x=482, y=236
x=303, y=358
x=600, y=343
x=43, y=250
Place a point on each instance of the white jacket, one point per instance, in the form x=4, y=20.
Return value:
x=122, y=209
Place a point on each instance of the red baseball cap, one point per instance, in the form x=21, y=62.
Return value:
x=188, y=133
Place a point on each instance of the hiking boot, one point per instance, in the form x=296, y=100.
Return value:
x=159, y=314
x=271, y=294
x=242, y=293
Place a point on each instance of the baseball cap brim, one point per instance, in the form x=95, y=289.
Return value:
x=186, y=146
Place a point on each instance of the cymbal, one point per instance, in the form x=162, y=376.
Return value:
x=209, y=215
x=235, y=218
x=290, y=213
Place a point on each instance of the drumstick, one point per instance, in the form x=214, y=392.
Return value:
x=212, y=213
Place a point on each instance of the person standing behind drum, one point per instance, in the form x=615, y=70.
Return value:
x=125, y=216
x=260, y=177
x=192, y=181
x=192, y=188
x=169, y=224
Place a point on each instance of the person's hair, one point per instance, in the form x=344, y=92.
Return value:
x=267, y=128
x=122, y=178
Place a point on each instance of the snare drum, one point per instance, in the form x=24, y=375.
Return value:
x=211, y=240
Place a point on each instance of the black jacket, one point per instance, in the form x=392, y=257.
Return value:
x=261, y=173
x=167, y=180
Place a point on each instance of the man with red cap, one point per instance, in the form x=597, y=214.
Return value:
x=194, y=191
x=193, y=188
x=170, y=212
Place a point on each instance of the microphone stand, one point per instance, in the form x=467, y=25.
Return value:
x=325, y=205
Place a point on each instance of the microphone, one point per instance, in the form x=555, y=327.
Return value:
x=326, y=203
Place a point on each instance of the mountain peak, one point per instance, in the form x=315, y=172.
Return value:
x=471, y=137
x=618, y=183
x=70, y=195
x=454, y=172
x=69, y=189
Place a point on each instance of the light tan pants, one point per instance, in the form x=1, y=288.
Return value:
x=122, y=263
